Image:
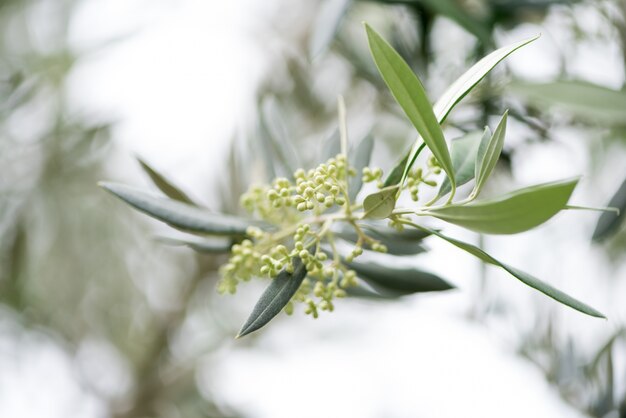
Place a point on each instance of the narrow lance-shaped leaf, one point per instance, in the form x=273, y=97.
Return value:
x=610, y=221
x=525, y=278
x=488, y=154
x=408, y=91
x=397, y=242
x=177, y=214
x=462, y=86
x=463, y=152
x=167, y=187
x=275, y=297
x=391, y=280
x=379, y=205
x=516, y=212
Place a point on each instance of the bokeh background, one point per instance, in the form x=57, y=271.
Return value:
x=100, y=319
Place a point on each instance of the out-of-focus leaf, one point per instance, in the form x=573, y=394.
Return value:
x=200, y=244
x=274, y=299
x=465, y=83
x=164, y=184
x=488, y=154
x=525, y=278
x=516, y=212
x=463, y=152
x=277, y=140
x=454, y=11
x=177, y=214
x=610, y=221
x=359, y=158
x=331, y=147
x=408, y=91
x=391, y=280
x=587, y=101
x=327, y=22
x=379, y=205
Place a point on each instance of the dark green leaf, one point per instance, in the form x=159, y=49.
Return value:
x=177, y=214
x=397, y=281
x=463, y=151
x=275, y=297
x=379, y=205
x=454, y=11
x=408, y=91
x=609, y=222
x=488, y=155
x=359, y=158
x=164, y=184
x=513, y=213
x=525, y=278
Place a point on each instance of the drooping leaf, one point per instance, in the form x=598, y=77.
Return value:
x=396, y=281
x=525, y=278
x=588, y=102
x=397, y=243
x=200, y=244
x=609, y=221
x=466, y=82
x=328, y=19
x=463, y=151
x=359, y=158
x=379, y=205
x=275, y=297
x=488, y=155
x=461, y=87
x=516, y=212
x=164, y=184
x=408, y=91
x=177, y=214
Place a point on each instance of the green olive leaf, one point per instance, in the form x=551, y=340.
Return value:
x=379, y=205
x=516, y=212
x=164, y=184
x=463, y=151
x=275, y=297
x=466, y=82
x=458, y=90
x=488, y=154
x=408, y=91
x=177, y=214
x=525, y=278
x=390, y=280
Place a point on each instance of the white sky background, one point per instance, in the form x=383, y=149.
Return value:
x=178, y=87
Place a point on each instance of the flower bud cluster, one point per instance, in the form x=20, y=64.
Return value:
x=321, y=187
x=370, y=175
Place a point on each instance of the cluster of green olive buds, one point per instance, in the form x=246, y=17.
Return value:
x=417, y=177
x=322, y=186
x=370, y=175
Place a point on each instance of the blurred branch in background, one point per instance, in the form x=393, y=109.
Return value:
x=73, y=264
